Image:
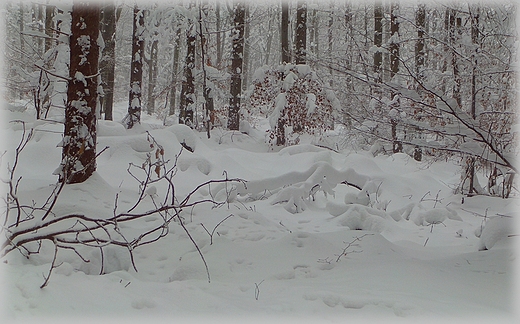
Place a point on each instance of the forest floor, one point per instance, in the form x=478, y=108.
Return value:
x=411, y=251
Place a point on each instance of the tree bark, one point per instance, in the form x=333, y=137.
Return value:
x=420, y=22
x=21, y=28
x=454, y=25
x=476, y=42
x=108, y=60
x=79, y=140
x=175, y=68
x=394, y=67
x=237, y=53
x=246, y=63
x=301, y=32
x=219, y=36
x=284, y=33
x=136, y=70
x=330, y=41
x=208, y=98
x=188, y=86
x=378, y=40
x=41, y=47
x=152, y=77
x=269, y=37
x=49, y=15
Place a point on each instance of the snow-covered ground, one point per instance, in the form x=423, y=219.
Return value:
x=403, y=247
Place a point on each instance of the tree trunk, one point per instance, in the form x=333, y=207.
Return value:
x=349, y=38
x=330, y=42
x=284, y=33
x=79, y=141
x=420, y=22
x=314, y=32
x=246, y=62
x=301, y=32
x=108, y=60
x=237, y=53
x=152, y=77
x=394, y=68
x=476, y=42
x=453, y=31
x=188, y=87
x=175, y=68
x=21, y=27
x=269, y=37
x=208, y=99
x=49, y=15
x=22, y=50
x=219, y=36
x=136, y=70
x=41, y=47
x=378, y=40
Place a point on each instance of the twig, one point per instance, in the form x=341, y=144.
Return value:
x=214, y=228
x=52, y=265
x=351, y=243
x=257, y=289
x=196, y=246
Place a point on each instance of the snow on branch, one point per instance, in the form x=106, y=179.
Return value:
x=293, y=188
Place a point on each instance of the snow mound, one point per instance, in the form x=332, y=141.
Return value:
x=113, y=259
x=203, y=165
x=185, y=136
x=110, y=128
x=496, y=229
x=435, y=216
x=364, y=218
x=298, y=149
x=336, y=209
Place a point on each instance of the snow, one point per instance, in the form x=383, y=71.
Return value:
x=296, y=243
x=496, y=229
x=310, y=104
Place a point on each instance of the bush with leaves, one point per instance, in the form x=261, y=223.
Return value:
x=294, y=100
